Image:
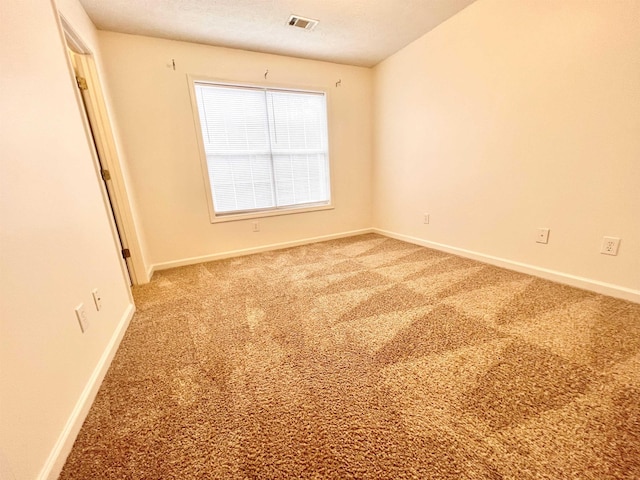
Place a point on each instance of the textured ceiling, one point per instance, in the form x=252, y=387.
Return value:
x=354, y=32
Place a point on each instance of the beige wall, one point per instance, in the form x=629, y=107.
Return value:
x=509, y=117
x=512, y=116
x=56, y=245
x=152, y=107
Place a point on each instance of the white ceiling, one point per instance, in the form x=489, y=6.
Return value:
x=354, y=32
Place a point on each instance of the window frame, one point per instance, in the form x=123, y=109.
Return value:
x=215, y=217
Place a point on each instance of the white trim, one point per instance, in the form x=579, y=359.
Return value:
x=116, y=196
x=272, y=212
x=553, y=275
x=74, y=42
x=62, y=448
x=100, y=135
x=250, y=251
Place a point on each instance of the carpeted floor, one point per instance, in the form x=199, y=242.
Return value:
x=366, y=358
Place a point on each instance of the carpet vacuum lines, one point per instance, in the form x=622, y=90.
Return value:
x=366, y=358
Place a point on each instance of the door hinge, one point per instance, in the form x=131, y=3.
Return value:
x=82, y=83
x=105, y=174
x=126, y=253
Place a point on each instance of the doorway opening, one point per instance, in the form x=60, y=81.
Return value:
x=100, y=134
x=79, y=63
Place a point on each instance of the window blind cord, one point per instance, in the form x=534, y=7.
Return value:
x=266, y=104
x=273, y=116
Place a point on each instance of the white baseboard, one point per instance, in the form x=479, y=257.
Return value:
x=150, y=272
x=250, y=251
x=57, y=457
x=553, y=275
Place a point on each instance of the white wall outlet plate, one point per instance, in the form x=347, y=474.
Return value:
x=543, y=235
x=81, y=315
x=426, y=218
x=610, y=246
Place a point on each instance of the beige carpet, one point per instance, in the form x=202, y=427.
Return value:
x=366, y=358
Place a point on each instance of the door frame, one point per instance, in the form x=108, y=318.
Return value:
x=100, y=133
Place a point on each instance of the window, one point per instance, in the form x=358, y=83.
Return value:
x=266, y=149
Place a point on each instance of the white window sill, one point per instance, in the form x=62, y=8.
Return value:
x=234, y=217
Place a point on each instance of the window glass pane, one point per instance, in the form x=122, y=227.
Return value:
x=301, y=178
x=240, y=182
x=299, y=121
x=232, y=119
x=284, y=180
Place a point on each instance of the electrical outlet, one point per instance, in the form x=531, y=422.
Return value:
x=426, y=218
x=610, y=246
x=256, y=227
x=543, y=235
x=97, y=299
x=82, y=318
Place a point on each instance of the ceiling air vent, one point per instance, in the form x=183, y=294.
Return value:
x=302, y=22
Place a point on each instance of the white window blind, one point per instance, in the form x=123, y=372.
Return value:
x=265, y=148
